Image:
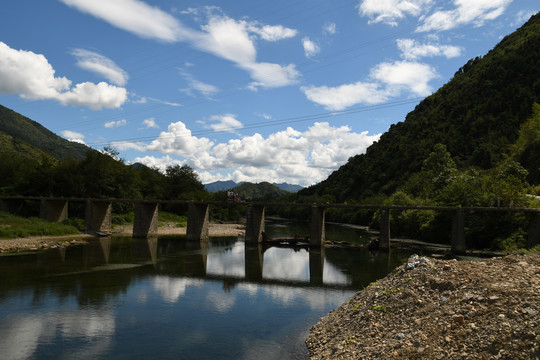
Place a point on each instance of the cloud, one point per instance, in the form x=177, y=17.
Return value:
x=389, y=11
x=233, y=40
x=73, y=136
x=405, y=75
x=113, y=124
x=225, y=122
x=344, y=96
x=32, y=77
x=386, y=80
x=475, y=12
x=134, y=16
x=150, y=123
x=272, y=32
x=178, y=140
x=413, y=50
x=329, y=29
x=310, y=48
x=290, y=155
x=101, y=65
x=195, y=85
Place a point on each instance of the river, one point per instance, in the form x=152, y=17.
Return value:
x=165, y=298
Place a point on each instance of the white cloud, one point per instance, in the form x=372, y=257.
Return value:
x=134, y=16
x=225, y=122
x=522, y=16
x=386, y=80
x=178, y=140
x=272, y=32
x=413, y=50
x=343, y=96
x=113, y=124
x=95, y=96
x=32, y=77
x=221, y=36
x=475, y=12
x=329, y=29
x=101, y=65
x=310, y=48
x=290, y=155
x=389, y=11
x=405, y=75
x=195, y=85
x=150, y=123
x=73, y=136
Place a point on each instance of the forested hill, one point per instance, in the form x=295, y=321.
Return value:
x=27, y=137
x=477, y=115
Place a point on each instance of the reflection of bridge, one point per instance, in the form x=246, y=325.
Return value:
x=98, y=217
x=195, y=259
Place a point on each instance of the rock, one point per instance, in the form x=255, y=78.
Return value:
x=460, y=319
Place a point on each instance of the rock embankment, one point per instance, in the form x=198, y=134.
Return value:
x=439, y=309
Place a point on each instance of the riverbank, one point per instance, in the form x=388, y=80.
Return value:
x=35, y=243
x=439, y=309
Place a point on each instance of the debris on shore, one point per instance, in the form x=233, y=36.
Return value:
x=439, y=309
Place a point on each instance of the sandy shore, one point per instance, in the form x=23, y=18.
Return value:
x=43, y=242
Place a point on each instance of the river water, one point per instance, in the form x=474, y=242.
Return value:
x=124, y=298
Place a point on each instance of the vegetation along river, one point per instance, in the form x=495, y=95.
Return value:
x=124, y=298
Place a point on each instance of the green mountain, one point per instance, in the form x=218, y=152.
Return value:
x=477, y=115
x=263, y=190
x=28, y=138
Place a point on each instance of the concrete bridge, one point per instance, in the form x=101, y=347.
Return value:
x=98, y=217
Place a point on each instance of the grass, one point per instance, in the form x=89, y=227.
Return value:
x=12, y=226
x=165, y=217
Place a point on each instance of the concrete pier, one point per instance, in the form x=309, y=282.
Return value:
x=534, y=231
x=197, y=226
x=53, y=210
x=317, y=229
x=146, y=219
x=384, y=233
x=98, y=216
x=458, y=233
x=254, y=224
x=12, y=206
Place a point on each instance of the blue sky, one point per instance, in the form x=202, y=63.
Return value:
x=260, y=90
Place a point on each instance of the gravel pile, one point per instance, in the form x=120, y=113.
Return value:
x=439, y=309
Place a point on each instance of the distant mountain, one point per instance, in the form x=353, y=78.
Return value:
x=289, y=187
x=477, y=115
x=228, y=185
x=260, y=191
x=30, y=138
x=220, y=186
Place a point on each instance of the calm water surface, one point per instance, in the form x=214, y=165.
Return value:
x=123, y=298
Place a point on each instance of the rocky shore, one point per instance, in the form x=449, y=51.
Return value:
x=439, y=309
x=43, y=242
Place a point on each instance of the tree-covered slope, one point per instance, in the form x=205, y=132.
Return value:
x=477, y=115
x=23, y=134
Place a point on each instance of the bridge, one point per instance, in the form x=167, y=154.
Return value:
x=98, y=214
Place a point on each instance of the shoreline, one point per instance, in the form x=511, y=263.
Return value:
x=35, y=243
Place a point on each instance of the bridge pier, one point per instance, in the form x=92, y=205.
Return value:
x=317, y=231
x=146, y=219
x=534, y=231
x=254, y=224
x=98, y=216
x=458, y=233
x=197, y=226
x=384, y=233
x=53, y=210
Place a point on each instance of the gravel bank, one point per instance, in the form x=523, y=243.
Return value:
x=43, y=242
x=439, y=309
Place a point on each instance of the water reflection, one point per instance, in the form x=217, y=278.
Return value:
x=156, y=298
